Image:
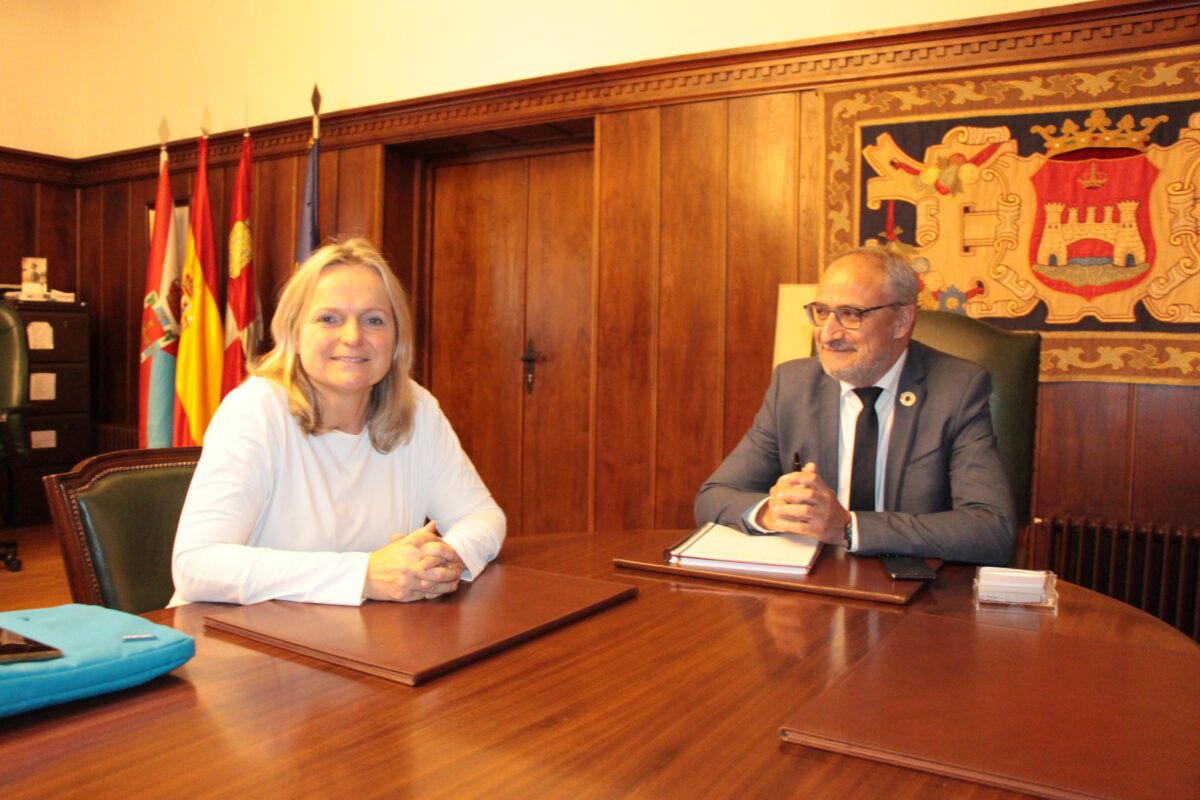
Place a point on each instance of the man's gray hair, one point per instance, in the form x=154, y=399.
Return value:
x=901, y=279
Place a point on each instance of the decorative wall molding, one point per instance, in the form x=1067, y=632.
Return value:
x=33, y=167
x=1069, y=32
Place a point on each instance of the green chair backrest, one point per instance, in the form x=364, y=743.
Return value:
x=1012, y=359
x=14, y=384
x=129, y=518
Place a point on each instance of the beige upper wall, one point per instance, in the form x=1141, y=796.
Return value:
x=86, y=77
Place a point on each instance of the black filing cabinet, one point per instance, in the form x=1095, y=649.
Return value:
x=60, y=424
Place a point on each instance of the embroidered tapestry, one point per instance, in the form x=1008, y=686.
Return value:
x=1063, y=199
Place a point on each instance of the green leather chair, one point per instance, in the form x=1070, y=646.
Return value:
x=1012, y=359
x=115, y=515
x=14, y=402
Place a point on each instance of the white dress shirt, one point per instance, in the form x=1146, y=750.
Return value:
x=849, y=407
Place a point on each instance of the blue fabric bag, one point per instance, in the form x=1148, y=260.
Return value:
x=99, y=654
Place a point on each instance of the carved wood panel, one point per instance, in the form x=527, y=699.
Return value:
x=628, y=229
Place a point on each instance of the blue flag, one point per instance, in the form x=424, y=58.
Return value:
x=308, y=236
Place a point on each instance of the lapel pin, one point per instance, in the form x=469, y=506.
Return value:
x=908, y=399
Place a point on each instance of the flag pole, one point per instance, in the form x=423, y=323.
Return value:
x=316, y=107
x=308, y=234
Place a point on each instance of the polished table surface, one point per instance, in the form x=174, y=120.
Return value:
x=677, y=693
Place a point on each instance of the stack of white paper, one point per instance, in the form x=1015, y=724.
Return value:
x=716, y=546
x=1003, y=585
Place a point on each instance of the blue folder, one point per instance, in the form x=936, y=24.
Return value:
x=103, y=650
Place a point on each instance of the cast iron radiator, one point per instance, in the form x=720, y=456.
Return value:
x=1154, y=568
x=111, y=436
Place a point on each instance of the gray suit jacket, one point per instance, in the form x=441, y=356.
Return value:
x=946, y=493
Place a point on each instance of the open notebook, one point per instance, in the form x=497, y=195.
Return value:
x=714, y=546
x=833, y=571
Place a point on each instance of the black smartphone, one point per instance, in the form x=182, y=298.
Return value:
x=17, y=647
x=907, y=568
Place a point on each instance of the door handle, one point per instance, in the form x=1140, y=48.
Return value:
x=530, y=359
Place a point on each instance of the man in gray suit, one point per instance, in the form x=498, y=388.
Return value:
x=924, y=479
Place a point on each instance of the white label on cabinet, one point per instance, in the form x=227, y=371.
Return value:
x=43, y=386
x=43, y=440
x=41, y=335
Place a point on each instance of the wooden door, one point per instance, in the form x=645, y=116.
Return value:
x=511, y=260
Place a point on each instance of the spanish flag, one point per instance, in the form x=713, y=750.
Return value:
x=198, y=371
x=242, y=326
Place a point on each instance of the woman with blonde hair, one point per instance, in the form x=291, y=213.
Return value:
x=319, y=472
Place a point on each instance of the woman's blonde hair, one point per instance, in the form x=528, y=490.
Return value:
x=392, y=401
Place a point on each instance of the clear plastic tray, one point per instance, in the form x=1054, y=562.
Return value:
x=1047, y=602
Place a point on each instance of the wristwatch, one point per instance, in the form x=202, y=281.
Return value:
x=848, y=531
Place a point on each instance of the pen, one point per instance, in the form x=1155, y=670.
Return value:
x=796, y=465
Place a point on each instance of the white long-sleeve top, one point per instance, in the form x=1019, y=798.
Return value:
x=274, y=514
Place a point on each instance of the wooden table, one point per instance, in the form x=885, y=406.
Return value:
x=678, y=693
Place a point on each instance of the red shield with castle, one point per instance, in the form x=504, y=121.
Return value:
x=1092, y=232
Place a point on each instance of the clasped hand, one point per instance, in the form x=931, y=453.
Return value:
x=800, y=502
x=413, y=566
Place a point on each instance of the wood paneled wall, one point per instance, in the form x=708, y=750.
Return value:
x=1119, y=452
x=628, y=174
x=697, y=227
x=705, y=199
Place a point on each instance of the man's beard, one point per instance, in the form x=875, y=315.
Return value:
x=865, y=370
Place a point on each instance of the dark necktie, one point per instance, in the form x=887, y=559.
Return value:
x=866, y=445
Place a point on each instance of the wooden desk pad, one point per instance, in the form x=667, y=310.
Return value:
x=413, y=642
x=1043, y=713
x=835, y=573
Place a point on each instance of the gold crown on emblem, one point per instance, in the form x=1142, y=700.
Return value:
x=1097, y=131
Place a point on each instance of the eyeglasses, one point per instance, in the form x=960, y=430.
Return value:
x=849, y=317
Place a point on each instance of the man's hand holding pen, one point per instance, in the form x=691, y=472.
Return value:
x=800, y=502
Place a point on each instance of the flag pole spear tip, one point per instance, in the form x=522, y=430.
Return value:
x=206, y=123
x=316, y=105
x=164, y=133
